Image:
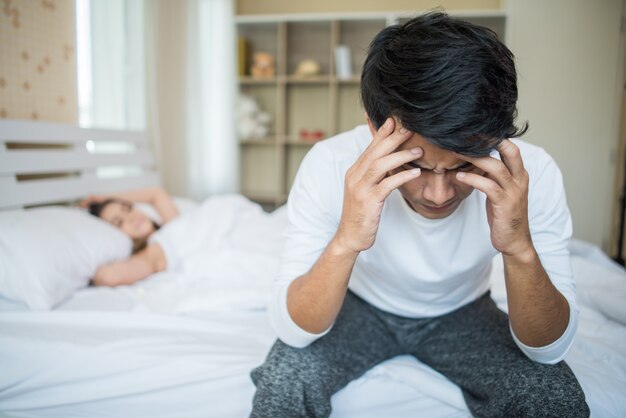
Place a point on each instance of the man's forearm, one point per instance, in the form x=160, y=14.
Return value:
x=314, y=299
x=538, y=312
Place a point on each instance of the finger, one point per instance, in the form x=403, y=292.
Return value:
x=495, y=168
x=381, y=146
x=512, y=158
x=493, y=190
x=385, y=130
x=379, y=168
x=385, y=146
x=391, y=183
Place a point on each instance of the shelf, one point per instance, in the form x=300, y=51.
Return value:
x=321, y=79
x=293, y=140
x=265, y=197
x=264, y=141
x=322, y=102
x=246, y=80
x=347, y=16
x=351, y=80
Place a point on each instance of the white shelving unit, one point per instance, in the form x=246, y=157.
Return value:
x=323, y=102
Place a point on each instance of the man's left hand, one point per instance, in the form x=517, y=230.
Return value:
x=505, y=183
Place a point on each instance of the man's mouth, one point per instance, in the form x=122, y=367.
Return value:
x=440, y=209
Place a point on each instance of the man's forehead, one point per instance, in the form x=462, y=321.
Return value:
x=434, y=156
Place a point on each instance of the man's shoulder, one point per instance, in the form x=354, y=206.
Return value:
x=540, y=165
x=327, y=162
x=344, y=146
x=533, y=155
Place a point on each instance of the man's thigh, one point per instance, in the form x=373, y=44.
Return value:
x=304, y=379
x=474, y=348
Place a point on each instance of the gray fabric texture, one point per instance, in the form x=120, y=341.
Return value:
x=471, y=346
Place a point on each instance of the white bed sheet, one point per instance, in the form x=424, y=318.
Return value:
x=178, y=346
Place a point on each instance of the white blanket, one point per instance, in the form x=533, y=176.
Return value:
x=183, y=343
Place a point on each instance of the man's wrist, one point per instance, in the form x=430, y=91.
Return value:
x=525, y=256
x=338, y=248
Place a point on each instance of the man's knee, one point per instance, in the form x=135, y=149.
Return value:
x=290, y=378
x=286, y=363
x=549, y=391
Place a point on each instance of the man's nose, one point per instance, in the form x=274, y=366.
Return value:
x=439, y=190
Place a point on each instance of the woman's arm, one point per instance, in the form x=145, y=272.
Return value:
x=139, y=266
x=158, y=197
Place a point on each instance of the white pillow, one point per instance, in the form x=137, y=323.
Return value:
x=46, y=254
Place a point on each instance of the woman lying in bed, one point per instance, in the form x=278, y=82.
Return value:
x=119, y=211
x=225, y=237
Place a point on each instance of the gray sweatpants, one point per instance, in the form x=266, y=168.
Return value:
x=472, y=346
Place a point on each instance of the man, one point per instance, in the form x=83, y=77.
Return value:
x=393, y=228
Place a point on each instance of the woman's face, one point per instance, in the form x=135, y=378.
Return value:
x=129, y=220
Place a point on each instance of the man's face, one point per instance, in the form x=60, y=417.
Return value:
x=436, y=193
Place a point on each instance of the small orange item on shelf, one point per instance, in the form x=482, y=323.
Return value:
x=306, y=135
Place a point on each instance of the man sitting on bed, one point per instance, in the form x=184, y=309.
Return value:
x=393, y=227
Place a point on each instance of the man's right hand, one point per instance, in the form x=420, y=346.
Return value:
x=369, y=182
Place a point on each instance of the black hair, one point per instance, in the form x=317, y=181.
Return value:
x=448, y=80
x=96, y=208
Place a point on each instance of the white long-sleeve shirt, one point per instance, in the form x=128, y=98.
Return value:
x=419, y=267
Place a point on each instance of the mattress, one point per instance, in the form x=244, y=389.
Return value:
x=175, y=345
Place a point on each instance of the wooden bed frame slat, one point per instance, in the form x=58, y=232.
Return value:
x=44, y=132
x=36, y=161
x=14, y=195
x=80, y=165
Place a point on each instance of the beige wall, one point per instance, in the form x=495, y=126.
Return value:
x=38, y=61
x=245, y=7
x=166, y=38
x=569, y=60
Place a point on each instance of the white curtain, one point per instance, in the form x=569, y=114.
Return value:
x=211, y=88
x=110, y=39
x=191, y=90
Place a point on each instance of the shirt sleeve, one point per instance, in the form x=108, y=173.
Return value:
x=313, y=218
x=556, y=351
x=551, y=229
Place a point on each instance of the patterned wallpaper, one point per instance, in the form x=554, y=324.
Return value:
x=38, y=60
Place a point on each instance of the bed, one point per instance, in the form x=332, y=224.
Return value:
x=181, y=344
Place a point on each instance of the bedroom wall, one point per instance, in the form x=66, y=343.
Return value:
x=38, y=61
x=569, y=59
x=166, y=37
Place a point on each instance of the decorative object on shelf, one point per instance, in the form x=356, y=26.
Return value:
x=242, y=53
x=343, y=62
x=308, y=68
x=263, y=65
x=252, y=122
x=316, y=135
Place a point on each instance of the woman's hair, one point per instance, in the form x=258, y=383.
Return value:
x=96, y=208
x=448, y=80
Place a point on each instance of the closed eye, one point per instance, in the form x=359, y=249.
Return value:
x=465, y=167
x=413, y=164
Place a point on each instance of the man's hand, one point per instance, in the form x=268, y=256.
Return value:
x=506, y=185
x=368, y=183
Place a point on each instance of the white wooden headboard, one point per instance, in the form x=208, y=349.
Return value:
x=42, y=163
